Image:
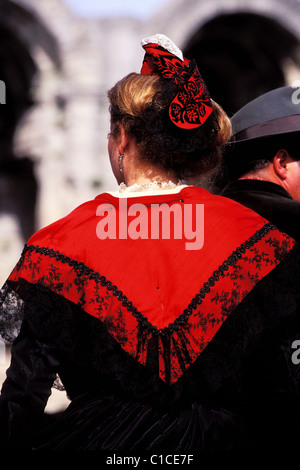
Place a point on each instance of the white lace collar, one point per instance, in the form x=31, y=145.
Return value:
x=152, y=188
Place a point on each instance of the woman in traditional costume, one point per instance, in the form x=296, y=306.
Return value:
x=169, y=313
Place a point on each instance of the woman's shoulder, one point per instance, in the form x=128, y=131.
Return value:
x=68, y=225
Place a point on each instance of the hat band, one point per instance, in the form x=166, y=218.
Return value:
x=277, y=126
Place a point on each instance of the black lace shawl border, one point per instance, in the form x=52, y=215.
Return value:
x=81, y=269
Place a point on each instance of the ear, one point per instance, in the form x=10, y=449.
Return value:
x=123, y=144
x=280, y=161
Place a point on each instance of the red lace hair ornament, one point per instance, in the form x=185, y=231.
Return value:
x=192, y=105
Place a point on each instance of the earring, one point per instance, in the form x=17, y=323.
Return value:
x=121, y=162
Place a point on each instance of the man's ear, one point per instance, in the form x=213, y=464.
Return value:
x=280, y=161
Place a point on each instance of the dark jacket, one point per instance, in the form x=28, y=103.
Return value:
x=269, y=200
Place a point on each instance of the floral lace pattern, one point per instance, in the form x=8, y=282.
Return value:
x=191, y=106
x=175, y=347
x=11, y=314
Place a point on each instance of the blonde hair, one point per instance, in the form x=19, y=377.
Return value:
x=139, y=102
x=133, y=92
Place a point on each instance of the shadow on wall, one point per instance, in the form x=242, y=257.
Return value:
x=242, y=56
x=18, y=186
x=20, y=32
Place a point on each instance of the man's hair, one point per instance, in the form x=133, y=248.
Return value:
x=247, y=157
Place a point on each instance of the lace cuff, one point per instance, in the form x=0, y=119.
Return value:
x=11, y=313
x=11, y=317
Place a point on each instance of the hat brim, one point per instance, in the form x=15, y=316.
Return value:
x=257, y=148
x=284, y=125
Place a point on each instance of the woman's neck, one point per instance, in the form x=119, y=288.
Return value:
x=138, y=171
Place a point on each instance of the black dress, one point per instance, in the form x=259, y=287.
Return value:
x=217, y=372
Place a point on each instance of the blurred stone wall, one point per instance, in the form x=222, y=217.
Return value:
x=57, y=68
x=53, y=156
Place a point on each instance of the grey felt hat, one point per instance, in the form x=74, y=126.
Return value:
x=275, y=112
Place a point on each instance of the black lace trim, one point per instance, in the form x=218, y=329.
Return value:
x=81, y=269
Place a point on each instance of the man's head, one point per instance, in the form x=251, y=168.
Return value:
x=266, y=140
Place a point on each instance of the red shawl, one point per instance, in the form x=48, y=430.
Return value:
x=148, y=288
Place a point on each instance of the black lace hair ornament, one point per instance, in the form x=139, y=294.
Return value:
x=182, y=113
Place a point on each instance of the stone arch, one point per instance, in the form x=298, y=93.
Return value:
x=180, y=19
x=192, y=25
x=20, y=31
x=242, y=55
